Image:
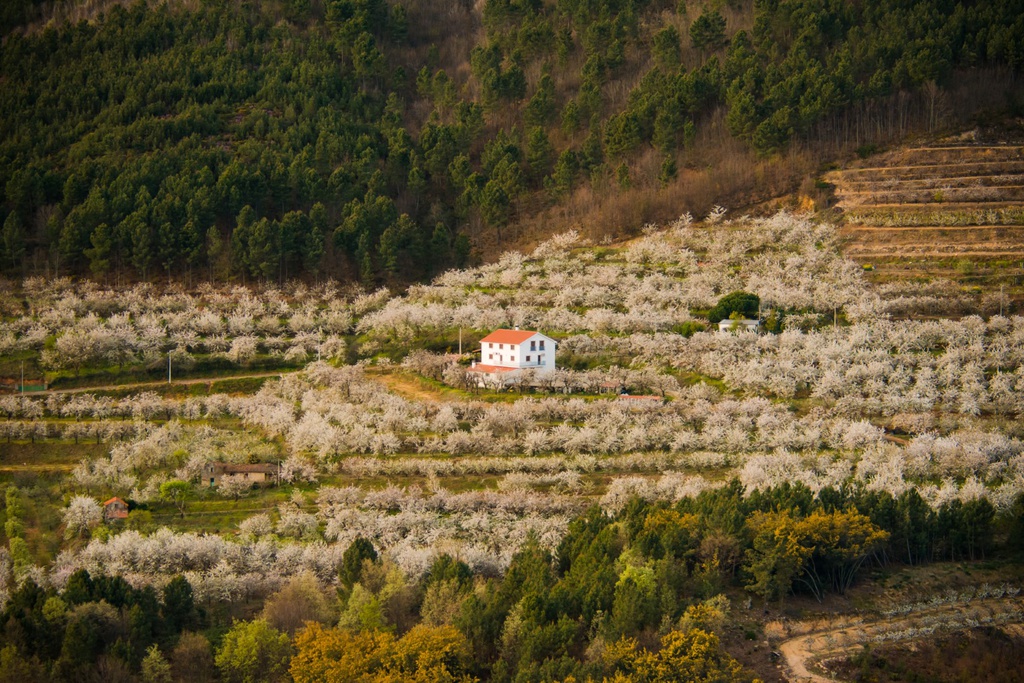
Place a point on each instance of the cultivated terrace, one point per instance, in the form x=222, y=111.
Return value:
x=615, y=519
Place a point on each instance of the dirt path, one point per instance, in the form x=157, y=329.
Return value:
x=903, y=188
x=903, y=168
x=409, y=387
x=917, y=228
x=945, y=206
x=928, y=252
x=820, y=642
x=998, y=179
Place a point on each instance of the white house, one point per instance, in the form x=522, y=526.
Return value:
x=739, y=325
x=512, y=351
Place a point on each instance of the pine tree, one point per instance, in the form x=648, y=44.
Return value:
x=99, y=255
x=13, y=242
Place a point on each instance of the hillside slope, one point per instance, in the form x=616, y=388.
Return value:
x=953, y=208
x=379, y=141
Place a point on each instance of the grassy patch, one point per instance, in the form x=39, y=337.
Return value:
x=689, y=379
x=17, y=454
x=205, y=368
x=211, y=513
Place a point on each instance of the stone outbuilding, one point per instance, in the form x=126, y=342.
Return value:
x=255, y=473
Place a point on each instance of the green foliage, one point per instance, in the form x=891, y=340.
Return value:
x=540, y=155
x=179, y=609
x=668, y=171
x=446, y=568
x=612, y=579
x=177, y=493
x=666, y=49
x=135, y=141
x=155, y=667
x=12, y=242
x=352, y=561
x=15, y=668
x=743, y=303
x=194, y=130
x=541, y=109
x=800, y=65
x=253, y=651
x=707, y=32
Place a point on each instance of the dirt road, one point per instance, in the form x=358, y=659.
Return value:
x=806, y=655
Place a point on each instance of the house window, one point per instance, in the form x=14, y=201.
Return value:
x=490, y=345
x=541, y=344
x=512, y=359
x=540, y=359
x=527, y=359
x=490, y=356
x=533, y=346
x=501, y=346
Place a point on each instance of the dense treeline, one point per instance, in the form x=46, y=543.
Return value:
x=653, y=571
x=95, y=624
x=233, y=140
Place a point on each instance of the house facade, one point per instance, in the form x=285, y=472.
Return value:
x=258, y=473
x=739, y=325
x=505, y=354
x=518, y=350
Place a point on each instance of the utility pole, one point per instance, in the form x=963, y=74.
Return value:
x=319, y=342
x=1001, y=301
x=460, y=341
x=23, y=381
x=168, y=368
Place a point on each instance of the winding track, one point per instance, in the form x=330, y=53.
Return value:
x=802, y=654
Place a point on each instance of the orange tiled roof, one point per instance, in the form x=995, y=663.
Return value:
x=508, y=336
x=114, y=499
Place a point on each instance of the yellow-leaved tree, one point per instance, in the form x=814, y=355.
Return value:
x=822, y=551
x=692, y=656
x=426, y=654
x=840, y=541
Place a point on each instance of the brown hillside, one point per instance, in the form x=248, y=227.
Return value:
x=952, y=208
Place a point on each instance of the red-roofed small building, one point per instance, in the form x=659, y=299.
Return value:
x=115, y=508
x=504, y=353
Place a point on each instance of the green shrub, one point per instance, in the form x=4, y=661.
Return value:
x=744, y=303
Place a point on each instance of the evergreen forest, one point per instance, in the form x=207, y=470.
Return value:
x=386, y=142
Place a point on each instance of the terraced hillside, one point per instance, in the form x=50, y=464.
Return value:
x=953, y=208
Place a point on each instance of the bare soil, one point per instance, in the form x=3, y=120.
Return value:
x=979, y=654
x=812, y=654
x=936, y=205
x=410, y=387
